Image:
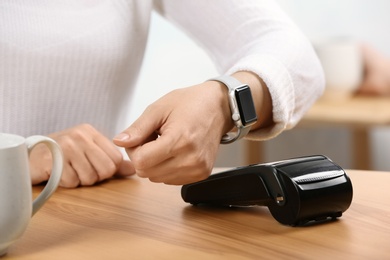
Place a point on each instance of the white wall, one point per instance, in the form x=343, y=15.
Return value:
x=367, y=20
x=173, y=61
x=364, y=20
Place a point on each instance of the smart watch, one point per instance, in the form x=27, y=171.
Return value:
x=241, y=105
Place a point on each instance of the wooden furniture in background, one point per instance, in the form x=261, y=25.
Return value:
x=358, y=114
x=136, y=219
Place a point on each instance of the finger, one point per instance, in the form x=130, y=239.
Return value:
x=85, y=171
x=37, y=179
x=126, y=168
x=153, y=153
x=101, y=162
x=109, y=149
x=106, y=158
x=69, y=177
x=141, y=130
x=40, y=164
x=133, y=150
x=39, y=175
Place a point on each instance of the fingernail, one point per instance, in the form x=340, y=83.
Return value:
x=122, y=137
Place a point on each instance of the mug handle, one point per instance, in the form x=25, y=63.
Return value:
x=57, y=168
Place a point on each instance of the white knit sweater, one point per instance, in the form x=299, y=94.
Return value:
x=64, y=63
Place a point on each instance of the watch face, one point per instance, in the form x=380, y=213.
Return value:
x=245, y=105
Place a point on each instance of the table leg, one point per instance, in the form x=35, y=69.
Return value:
x=254, y=152
x=361, y=149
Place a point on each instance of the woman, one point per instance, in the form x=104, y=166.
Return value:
x=67, y=70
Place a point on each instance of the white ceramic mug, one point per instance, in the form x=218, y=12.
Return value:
x=341, y=59
x=16, y=202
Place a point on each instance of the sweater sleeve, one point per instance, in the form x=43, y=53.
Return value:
x=256, y=36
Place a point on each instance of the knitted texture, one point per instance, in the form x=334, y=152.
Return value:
x=64, y=63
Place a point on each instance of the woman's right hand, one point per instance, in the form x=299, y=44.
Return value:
x=89, y=157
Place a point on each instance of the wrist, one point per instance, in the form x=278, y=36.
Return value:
x=242, y=109
x=261, y=97
x=222, y=99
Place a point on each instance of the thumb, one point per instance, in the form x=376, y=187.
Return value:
x=126, y=168
x=141, y=131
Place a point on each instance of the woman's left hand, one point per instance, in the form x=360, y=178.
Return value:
x=176, y=139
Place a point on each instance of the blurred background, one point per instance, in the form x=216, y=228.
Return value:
x=173, y=61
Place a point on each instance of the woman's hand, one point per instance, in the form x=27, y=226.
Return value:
x=176, y=139
x=89, y=157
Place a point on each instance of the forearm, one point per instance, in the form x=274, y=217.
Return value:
x=263, y=40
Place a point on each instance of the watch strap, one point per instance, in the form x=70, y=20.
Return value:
x=230, y=82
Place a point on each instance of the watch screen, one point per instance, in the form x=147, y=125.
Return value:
x=245, y=105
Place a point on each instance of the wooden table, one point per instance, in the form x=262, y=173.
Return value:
x=359, y=114
x=136, y=219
